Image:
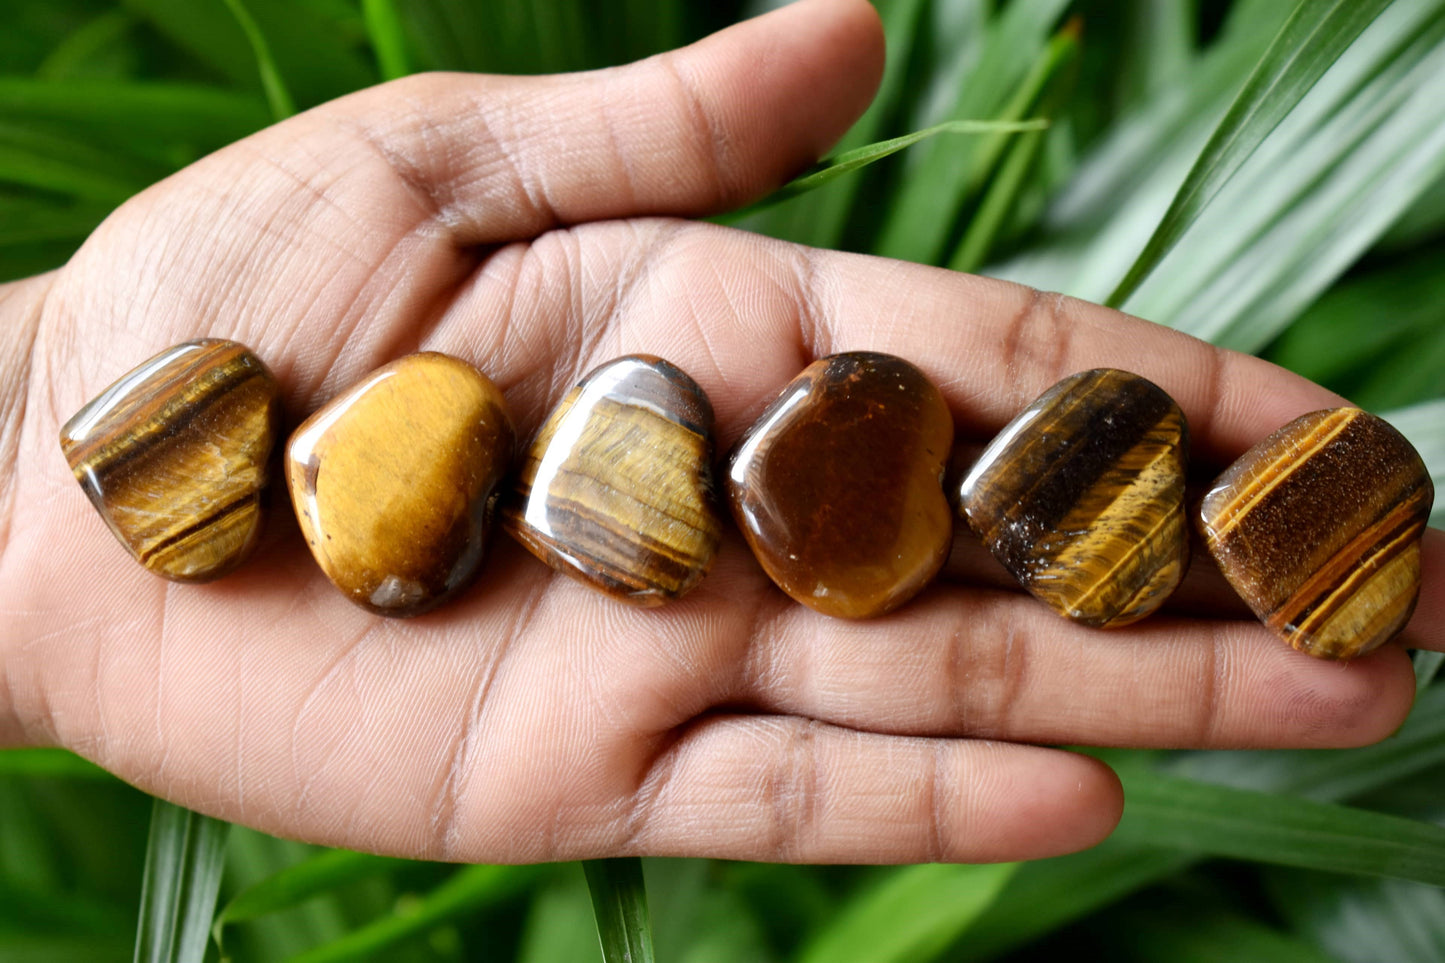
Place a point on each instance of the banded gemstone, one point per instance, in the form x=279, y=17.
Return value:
x=1081, y=497
x=617, y=490
x=1318, y=528
x=395, y=481
x=175, y=455
x=838, y=486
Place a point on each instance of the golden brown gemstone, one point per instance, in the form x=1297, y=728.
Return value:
x=395, y=481
x=175, y=457
x=1081, y=497
x=1318, y=528
x=617, y=490
x=838, y=486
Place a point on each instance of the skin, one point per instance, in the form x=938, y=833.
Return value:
x=533, y=227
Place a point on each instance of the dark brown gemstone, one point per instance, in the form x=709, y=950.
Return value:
x=1318, y=528
x=175, y=457
x=1081, y=497
x=838, y=486
x=617, y=489
x=395, y=481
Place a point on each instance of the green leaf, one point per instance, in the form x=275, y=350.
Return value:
x=133, y=114
x=294, y=885
x=1002, y=83
x=52, y=763
x=318, y=54
x=832, y=168
x=1219, y=821
x=912, y=915
x=619, y=903
x=1002, y=194
x=68, y=166
x=1362, y=920
x=1184, y=931
x=388, y=40
x=182, y=877
x=1424, y=425
x=819, y=219
x=1427, y=667
x=1312, y=39
x=1049, y=894
x=464, y=893
x=1334, y=775
x=91, y=49
x=282, y=104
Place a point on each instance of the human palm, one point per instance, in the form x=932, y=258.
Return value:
x=526, y=226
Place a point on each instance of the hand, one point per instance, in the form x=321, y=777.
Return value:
x=526, y=225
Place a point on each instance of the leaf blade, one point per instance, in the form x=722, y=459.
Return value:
x=184, y=858
x=619, y=903
x=1312, y=39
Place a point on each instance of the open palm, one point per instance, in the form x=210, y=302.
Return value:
x=525, y=225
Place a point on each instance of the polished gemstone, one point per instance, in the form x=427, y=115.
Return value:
x=175, y=457
x=617, y=489
x=1318, y=528
x=838, y=486
x=395, y=481
x=1081, y=497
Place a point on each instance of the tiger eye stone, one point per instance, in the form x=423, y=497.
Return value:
x=175, y=457
x=395, y=481
x=1081, y=497
x=1318, y=528
x=617, y=489
x=838, y=486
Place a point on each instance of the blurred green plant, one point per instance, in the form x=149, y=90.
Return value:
x=1265, y=175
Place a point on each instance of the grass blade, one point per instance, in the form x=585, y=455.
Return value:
x=184, y=859
x=296, y=884
x=832, y=168
x=1051, y=893
x=282, y=104
x=1362, y=920
x=619, y=903
x=1241, y=824
x=466, y=891
x=1003, y=192
x=1309, y=42
x=388, y=40
x=912, y=915
x=129, y=113
x=49, y=763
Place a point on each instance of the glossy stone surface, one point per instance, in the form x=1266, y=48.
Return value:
x=395, y=481
x=175, y=454
x=838, y=486
x=1318, y=528
x=1081, y=497
x=617, y=489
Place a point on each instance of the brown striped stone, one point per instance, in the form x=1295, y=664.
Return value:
x=396, y=479
x=617, y=489
x=1081, y=497
x=838, y=486
x=175, y=456
x=1318, y=528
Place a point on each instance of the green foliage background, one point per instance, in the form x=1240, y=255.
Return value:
x=1323, y=252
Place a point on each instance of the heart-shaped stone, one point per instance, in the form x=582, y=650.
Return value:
x=838, y=486
x=395, y=481
x=617, y=489
x=1081, y=497
x=1318, y=528
x=175, y=457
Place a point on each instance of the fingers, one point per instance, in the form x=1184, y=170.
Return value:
x=793, y=790
x=999, y=665
x=688, y=132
